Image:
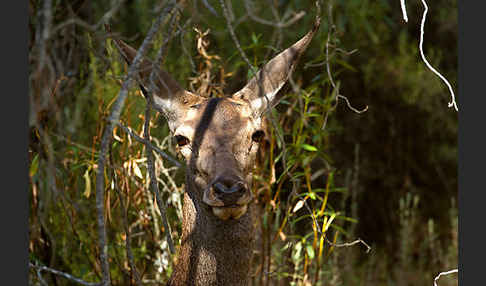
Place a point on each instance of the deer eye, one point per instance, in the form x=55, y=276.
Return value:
x=258, y=136
x=181, y=140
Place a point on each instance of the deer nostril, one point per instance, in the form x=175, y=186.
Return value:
x=238, y=187
x=228, y=192
x=221, y=188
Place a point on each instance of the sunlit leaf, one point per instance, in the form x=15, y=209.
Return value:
x=308, y=147
x=136, y=170
x=298, y=206
x=312, y=196
x=310, y=251
x=34, y=166
x=87, y=182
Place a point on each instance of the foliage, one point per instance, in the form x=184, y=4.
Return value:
x=387, y=175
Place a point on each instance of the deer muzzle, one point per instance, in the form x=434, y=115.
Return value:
x=228, y=197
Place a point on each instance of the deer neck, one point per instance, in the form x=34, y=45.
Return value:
x=213, y=251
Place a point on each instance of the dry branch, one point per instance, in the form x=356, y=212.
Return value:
x=279, y=24
x=106, y=139
x=347, y=244
x=328, y=69
x=149, y=145
x=128, y=239
x=60, y=273
x=153, y=181
x=235, y=39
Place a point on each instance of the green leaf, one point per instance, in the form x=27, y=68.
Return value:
x=310, y=251
x=312, y=195
x=254, y=38
x=346, y=65
x=87, y=181
x=34, y=166
x=308, y=147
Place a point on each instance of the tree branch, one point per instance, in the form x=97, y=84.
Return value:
x=328, y=68
x=63, y=274
x=105, y=142
x=235, y=39
x=153, y=181
x=279, y=24
x=149, y=144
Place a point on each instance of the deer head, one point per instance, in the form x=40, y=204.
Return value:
x=219, y=136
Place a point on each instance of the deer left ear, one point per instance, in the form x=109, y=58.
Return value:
x=169, y=97
x=261, y=91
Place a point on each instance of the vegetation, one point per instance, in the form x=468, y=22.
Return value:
x=327, y=175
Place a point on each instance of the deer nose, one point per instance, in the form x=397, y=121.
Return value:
x=228, y=190
x=224, y=188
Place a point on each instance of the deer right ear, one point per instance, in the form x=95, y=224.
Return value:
x=261, y=91
x=168, y=96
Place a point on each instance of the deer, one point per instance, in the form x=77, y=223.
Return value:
x=218, y=138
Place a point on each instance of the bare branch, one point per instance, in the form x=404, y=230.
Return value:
x=105, y=142
x=453, y=98
x=444, y=273
x=328, y=68
x=128, y=237
x=153, y=180
x=210, y=8
x=421, y=43
x=279, y=24
x=76, y=21
x=150, y=145
x=235, y=39
x=63, y=274
x=347, y=244
x=404, y=10
x=349, y=105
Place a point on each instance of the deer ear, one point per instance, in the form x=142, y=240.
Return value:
x=262, y=89
x=169, y=97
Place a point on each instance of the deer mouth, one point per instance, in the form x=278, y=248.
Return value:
x=227, y=212
x=227, y=204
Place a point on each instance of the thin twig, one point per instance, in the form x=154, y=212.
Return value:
x=235, y=39
x=313, y=217
x=278, y=24
x=153, y=181
x=444, y=273
x=421, y=43
x=150, y=103
x=349, y=104
x=150, y=145
x=150, y=156
x=152, y=88
x=39, y=276
x=347, y=244
x=404, y=10
x=77, y=21
x=210, y=8
x=329, y=74
x=107, y=136
x=63, y=274
x=453, y=100
x=128, y=238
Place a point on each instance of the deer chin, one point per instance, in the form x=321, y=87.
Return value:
x=230, y=212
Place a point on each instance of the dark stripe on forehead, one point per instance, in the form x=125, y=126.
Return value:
x=207, y=116
x=214, y=100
